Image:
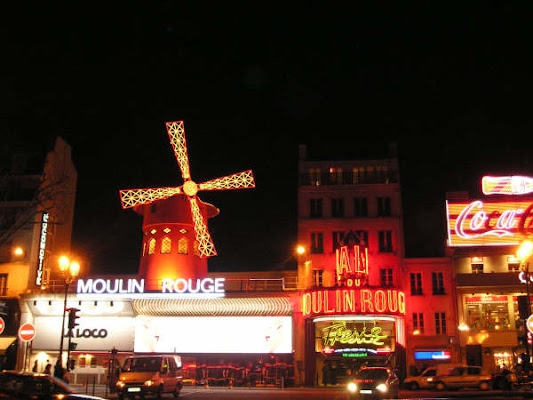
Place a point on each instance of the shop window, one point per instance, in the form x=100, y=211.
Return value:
x=440, y=323
x=360, y=207
x=489, y=315
x=418, y=323
x=477, y=265
x=93, y=362
x=384, y=209
x=362, y=238
x=437, y=279
x=183, y=246
x=416, y=283
x=318, y=275
x=82, y=362
x=151, y=246
x=315, y=210
x=337, y=239
x=337, y=208
x=513, y=264
x=385, y=241
x=386, y=276
x=317, y=243
x=166, y=245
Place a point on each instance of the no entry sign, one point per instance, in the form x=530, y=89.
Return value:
x=2, y=325
x=529, y=323
x=27, y=332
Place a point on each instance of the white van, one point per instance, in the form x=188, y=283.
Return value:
x=150, y=374
x=423, y=381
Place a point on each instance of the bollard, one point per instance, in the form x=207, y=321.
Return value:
x=230, y=384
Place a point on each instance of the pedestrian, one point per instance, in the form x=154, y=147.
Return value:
x=35, y=366
x=58, y=370
x=48, y=368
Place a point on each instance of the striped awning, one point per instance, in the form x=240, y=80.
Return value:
x=214, y=307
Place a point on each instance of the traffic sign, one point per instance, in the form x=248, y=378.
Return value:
x=27, y=332
x=529, y=323
x=2, y=325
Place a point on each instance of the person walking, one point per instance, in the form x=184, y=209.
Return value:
x=58, y=370
x=48, y=368
x=35, y=366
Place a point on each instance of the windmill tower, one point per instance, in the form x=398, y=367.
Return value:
x=176, y=241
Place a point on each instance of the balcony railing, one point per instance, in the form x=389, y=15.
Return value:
x=347, y=178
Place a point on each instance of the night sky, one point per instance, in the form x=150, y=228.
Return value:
x=452, y=86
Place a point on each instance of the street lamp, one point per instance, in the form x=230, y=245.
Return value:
x=70, y=270
x=523, y=253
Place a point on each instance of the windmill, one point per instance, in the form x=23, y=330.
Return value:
x=170, y=201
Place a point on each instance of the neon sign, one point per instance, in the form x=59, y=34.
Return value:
x=42, y=247
x=510, y=185
x=352, y=274
x=133, y=286
x=480, y=223
x=340, y=333
x=353, y=301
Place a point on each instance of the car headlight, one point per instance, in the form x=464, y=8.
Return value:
x=120, y=384
x=430, y=379
x=149, y=383
x=382, y=387
x=352, y=387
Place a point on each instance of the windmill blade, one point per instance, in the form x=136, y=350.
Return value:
x=132, y=197
x=241, y=180
x=206, y=248
x=176, y=133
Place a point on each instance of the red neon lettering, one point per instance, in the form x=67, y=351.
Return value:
x=306, y=303
x=317, y=302
x=348, y=301
x=343, y=261
x=401, y=302
x=392, y=299
x=366, y=299
x=380, y=301
x=327, y=310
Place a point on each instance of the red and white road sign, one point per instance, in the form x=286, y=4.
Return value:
x=2, y=325
x=529, y=323
x=27, y=332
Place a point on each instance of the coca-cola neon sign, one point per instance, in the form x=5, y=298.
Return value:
x=480, y=223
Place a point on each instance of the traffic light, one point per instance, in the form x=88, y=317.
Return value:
x=72, y=317
x=73, y=346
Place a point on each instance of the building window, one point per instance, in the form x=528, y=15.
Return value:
x=317, y=243
x=337, y=239
x=337, y=208
x=183, y=246
x=195, y=248
x=362, y=238
x=384, y=207
x=418, y=323
x=318, y=275
x=477, y=265
x=357, y=175
x=166, y=245
x=440, y=323
x=335, y=176
x=151, y=246
x=316, y=208
x=3, y=284
x=360, y=207
x=416, y=283
x=386, y=276
x=437, y=279
x=385, y=241
x=314, y=176
x=513, y=264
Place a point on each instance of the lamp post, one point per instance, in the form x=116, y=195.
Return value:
x=523, y=253
x=70, y=270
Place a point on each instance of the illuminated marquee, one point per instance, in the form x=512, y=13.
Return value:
x=352, y=273
x=42, y=247
x=479, y=223
x=353, y=301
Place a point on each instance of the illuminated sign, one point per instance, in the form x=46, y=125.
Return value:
x=339, y=332
x=42, y=247
x=480, y=223
x=348, y=272
x=208, y=335
x=134, y=286
x=510, y=185
x=432, y=355
x=353, y=301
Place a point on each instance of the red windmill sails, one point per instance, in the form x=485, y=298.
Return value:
x=134, y=197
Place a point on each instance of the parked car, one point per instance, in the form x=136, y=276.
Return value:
x=463, y=377
x=150, y=375
x=375, y=382
x=18, y=385
x=423, y=380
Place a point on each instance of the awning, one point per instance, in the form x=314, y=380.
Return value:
x=5, y=342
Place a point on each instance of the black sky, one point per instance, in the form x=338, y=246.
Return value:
x=252, y=81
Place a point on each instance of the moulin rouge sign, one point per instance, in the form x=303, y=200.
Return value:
x=492, y=223
x=353, y=297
